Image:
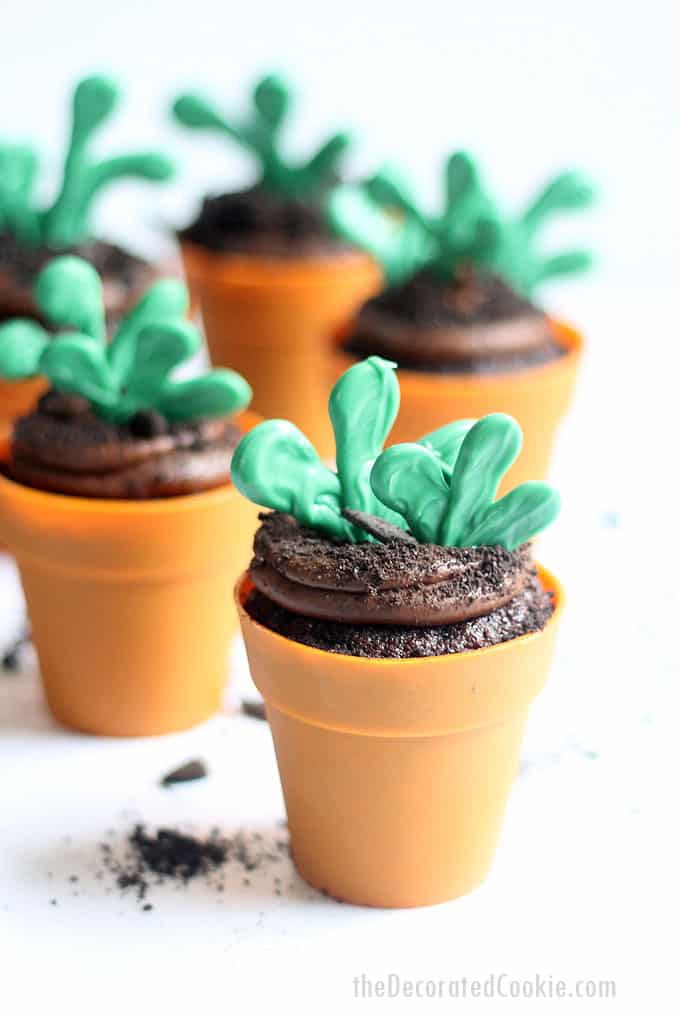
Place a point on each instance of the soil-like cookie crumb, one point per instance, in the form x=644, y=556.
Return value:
x=378, y=583
x=11, y=657
x=147, y=860
x=258, y=222
x=473, y=323
x=254, y=709
x=186, y=773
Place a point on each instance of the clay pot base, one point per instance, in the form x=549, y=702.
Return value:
x=396, y=772
x=129, y=601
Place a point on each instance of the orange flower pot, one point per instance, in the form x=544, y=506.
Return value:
x=273, y=320
x=537, y=397
x=130, y=601
x=396, y=772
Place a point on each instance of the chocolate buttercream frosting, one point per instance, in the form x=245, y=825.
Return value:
x=125, y=276
x=64, y=447
x=392, y=583
x=473, y=323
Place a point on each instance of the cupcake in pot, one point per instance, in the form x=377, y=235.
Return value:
x=117, y=502
x=398, y=629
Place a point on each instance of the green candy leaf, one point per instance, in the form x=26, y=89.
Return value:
x=564, y=264
x=94, y=100
x=517, y=517
x=486, y=453
x=469, y=231
x=66, y=222
x=260, y=132
x=399, y=245
x=272, y=99
x=412, y=480
x=76, y=363
x=160, y=347
x=447, y=441
x=68, y=292
x=197, y=112
x=216, y=395
x=461, y=180
x=362, y=407
x=164, y=302
x=276, y=466
x=22, y=343
x=18, y=168
x=133, y=372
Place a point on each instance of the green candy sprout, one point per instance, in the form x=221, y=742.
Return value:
x=260, y=134
x=446, y=489
x=66, y=222
x=133, y=372
x=383, y=216
x=441, y=488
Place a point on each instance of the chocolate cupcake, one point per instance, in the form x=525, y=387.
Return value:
x=459, y=312
x=272, y=279
x=116, y=501
x=30, y=237
x=397, y=628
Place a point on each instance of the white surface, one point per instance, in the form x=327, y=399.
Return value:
x=530, y=86
x=585, y=883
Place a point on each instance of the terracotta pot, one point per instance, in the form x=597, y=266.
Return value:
x=537, y=397
x=130, y=601
x=273, y=320
x=396, y=772
x=17, y=399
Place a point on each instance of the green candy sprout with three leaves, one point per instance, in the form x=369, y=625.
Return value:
x=260, y=134
x=441, y=488
x=133, y=372
x=66, y=222
x=383, y=216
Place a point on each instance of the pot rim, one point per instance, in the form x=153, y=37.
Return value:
x=261, y=271
x=244, y=585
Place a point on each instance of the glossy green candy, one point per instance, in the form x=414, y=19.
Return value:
x=260, y=133
x=67, y=222
x=442, y=488
x=383, y=217
x=134, y=371
x=449, y=497
x=276, y=466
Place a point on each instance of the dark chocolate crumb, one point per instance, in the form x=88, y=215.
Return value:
x=148, y=425
x=255, y=709
x=11, y=658
x=187, y=773
x=377, y=527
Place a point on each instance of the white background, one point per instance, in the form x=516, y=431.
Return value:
x=586, y=880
